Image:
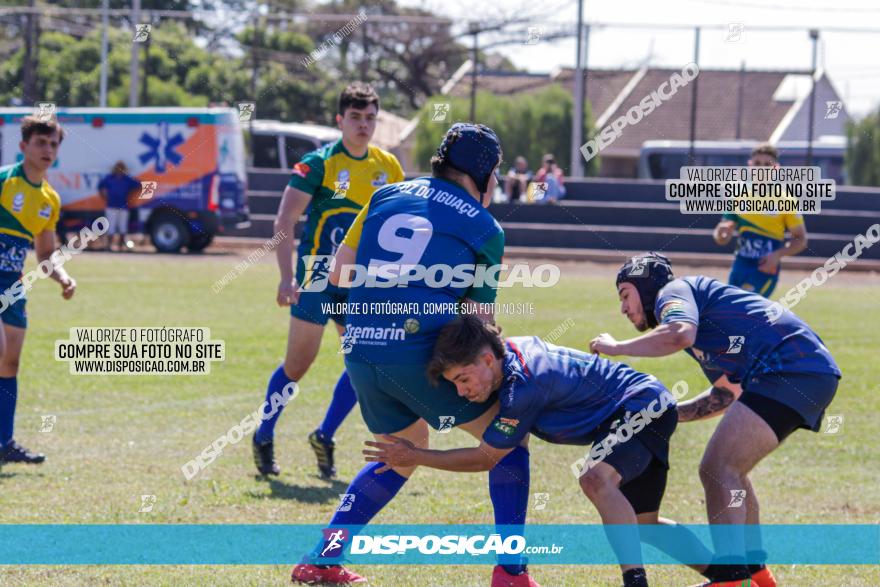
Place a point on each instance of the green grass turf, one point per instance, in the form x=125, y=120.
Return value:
x=118, y=437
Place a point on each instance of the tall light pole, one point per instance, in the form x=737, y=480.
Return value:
x=577, y=121
x=814, y=35
x=103, y=92
x=135, y=53
x=692, y=156
x=474, y=29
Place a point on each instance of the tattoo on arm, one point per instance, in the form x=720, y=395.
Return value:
x=707, y=404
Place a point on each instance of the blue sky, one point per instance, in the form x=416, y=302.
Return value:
x=849, y=57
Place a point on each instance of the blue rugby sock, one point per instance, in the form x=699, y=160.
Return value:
x=279, y=379
x=367, y=494
x=8, y=396
x=509, y=490
x=370, y=492
x=344, y=399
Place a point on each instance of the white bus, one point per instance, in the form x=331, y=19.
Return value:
x=663, y=159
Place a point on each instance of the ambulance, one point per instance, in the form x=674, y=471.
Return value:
x=190, y=163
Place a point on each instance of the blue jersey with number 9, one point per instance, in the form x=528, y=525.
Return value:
x=422, y=246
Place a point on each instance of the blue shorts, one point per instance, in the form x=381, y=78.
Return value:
x=393, y=397
x=746, y=275
x=15, y=314
x=807, y=394
x=643, y=460
x=313, y=305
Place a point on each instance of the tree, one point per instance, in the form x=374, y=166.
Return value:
x=181, y=74
x=863, y=151
x=527, y=124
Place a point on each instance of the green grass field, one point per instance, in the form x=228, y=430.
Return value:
x=118, y=437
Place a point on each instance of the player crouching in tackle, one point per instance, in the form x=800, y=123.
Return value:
x=770, y=375
x=563, y=396
x=29, y=211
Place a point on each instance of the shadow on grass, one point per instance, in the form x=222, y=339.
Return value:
x=10, y=473
x=304, y=494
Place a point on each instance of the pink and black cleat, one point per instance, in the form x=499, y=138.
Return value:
x=326, y=575
x=501, y=578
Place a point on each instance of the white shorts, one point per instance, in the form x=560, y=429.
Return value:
x=117, y=219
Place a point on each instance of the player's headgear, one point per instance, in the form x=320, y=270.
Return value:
x=648, y=273
x=473, y=149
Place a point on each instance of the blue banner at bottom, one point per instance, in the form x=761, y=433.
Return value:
x=561, y=544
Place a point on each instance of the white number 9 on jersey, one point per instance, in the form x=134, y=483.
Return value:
x=418, y=231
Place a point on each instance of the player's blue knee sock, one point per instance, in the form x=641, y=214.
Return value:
x=370, y=493
x=343, y=401
x=279, y=379
x=8, y=396
x=366, y=495
x=509, y=490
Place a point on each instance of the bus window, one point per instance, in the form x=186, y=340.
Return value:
x=725, y=160
x=266, y=151
x=666, y=165
x=796, y=160
x=832, y=168
x=296, y=147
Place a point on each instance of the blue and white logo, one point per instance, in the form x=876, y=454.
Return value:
x=447, y=423
x=736, y=344
x=162, y=148
x=334, y=542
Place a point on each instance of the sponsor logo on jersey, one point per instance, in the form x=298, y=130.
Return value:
x=18, y=202
x=380, y=178
x=375, y=335
x=503, y=427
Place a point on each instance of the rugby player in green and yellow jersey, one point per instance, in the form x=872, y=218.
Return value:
x=29, y=211
x=330, y=185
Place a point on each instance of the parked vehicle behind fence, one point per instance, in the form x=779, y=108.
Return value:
x=280, y=145
x=190, y=163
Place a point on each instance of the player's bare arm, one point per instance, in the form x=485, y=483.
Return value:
x=723, y=232
x=712, y=402
x=44, y=246
x=796, y=243
x=659, y=342
x=345, y=256
x=399, y=452
x=293, y=204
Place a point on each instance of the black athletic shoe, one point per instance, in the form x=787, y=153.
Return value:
x=324, y=453
x=264, y=457
x=16, y=453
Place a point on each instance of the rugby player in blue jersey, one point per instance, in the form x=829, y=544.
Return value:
x=438, y=221
x=563, y=396
x=770, y=374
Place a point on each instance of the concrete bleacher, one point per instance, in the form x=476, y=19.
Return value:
x=607, y=216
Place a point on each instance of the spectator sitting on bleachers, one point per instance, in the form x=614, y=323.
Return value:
x=517, y=180
x=548, y=184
